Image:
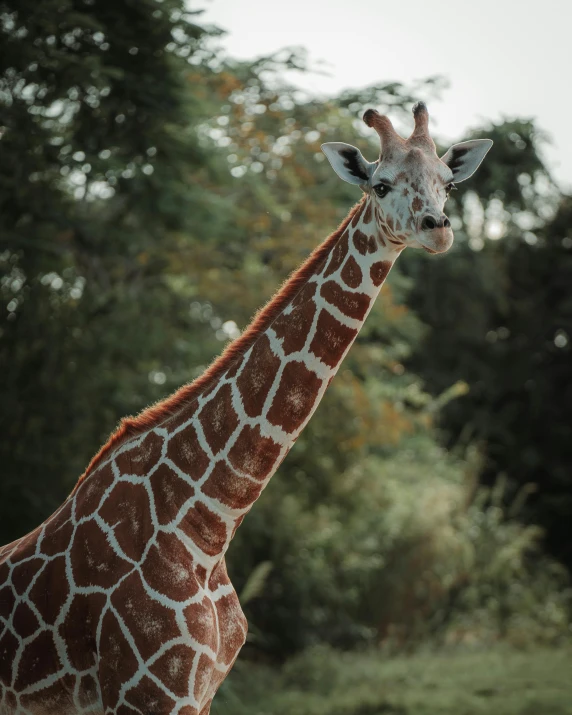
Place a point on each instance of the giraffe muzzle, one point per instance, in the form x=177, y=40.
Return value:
x=434, y=233
x=436, y=240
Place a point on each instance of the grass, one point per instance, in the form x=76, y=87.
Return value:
x=499, y=681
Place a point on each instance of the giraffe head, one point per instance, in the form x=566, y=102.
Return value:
x=409, y=183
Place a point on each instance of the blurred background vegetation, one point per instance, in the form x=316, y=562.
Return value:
x=413, y=553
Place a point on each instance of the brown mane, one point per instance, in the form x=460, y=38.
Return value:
x=157, y=413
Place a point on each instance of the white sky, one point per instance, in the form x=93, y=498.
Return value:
x=503, y=58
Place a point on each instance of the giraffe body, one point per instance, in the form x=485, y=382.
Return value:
x=120, y=602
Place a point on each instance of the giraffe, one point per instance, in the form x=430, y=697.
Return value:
x=120, y=602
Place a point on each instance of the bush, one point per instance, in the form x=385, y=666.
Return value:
x=322, y=681
x=400, y=550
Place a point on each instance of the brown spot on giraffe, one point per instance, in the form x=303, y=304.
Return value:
x=229, y=488
x=188, y=710
x=338, y=255
x=95, y=562
x=8, y=650
x=185, y=451
x=254, y=454
x=50, y=590
x=379, y=271
x=331, y=339
x=88, y=692
x=417, y=204
x=39, y=660
x=295, y=398
x=293, y=328
x=147, y=697
x=360, y=241
x=56, y=698
x=205, y=528
x=218, y=419
x=202, y=622
x=181, y=417
x=234, y=368
x=367, y=214
x=351, y=273
x=117, y=663
x=24, y=572
x=354, y=305
x=364, y=244
x=233, y=627
x=257, y=377
x=7, y=601
x=24, y=620
x=141, y=458
x=173, y=669
x=149, y=622
x=219, y=576
x=168, y=568
x=306, y=294
x=203, y=677
x=91, y=490
x=201, y=574
x=170, y=492
x=58, y=532
x=26, y=547
x=79, y=629
x=128, y=512
x=127, y=710
x=10, y=701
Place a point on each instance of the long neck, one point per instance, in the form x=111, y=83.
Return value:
x=206, y=454
x=243, y=427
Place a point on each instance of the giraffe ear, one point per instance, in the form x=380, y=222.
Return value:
x=464, y=159
x=348, y=162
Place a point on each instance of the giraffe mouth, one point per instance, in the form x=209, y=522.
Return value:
x=439, y=240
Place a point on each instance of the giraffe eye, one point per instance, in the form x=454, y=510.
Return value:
x=449, y=188
x=382, y=190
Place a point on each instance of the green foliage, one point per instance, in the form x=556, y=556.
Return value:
x=397, y=551
x=322, y=681
x=96, y=146
x=505, y=587
x=507, y=333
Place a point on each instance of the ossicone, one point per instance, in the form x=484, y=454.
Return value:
x=420, y=134
x=383, y=126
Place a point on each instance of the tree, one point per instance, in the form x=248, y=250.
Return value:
x=506, y=333
x=101, y=167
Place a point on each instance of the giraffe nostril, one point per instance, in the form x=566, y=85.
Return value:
x=428, y=223
x=446, y=222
